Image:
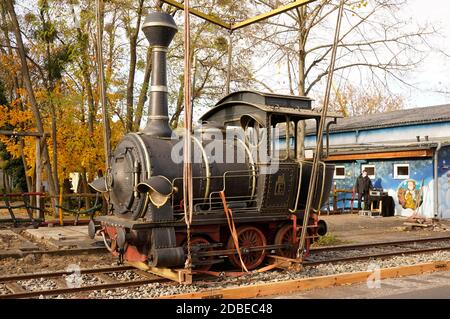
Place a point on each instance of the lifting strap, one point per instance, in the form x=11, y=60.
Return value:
x=231, y=225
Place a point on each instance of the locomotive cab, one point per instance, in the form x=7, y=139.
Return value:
x=272, y=130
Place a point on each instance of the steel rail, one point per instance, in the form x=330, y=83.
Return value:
x=375, y=244
x=17, y=253
x=72, y=290
x=371, y=256
x=61, y=273
x=60, y=291
x=410, y=251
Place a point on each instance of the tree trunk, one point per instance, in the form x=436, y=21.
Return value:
x=4, y=181
x=87, y=81
x=15, y=87
x=102, y=85
x=132, y=68
x=111, y=47
x=21, y=142
x=55, y=146
x=130, y=86
x=83, y=41
x=179, y=107
x=50, y=86
x=84, y=187
x=31, y=97
x=144, y=91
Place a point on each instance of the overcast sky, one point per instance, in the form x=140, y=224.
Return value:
x=430, y=81
x=434, y=74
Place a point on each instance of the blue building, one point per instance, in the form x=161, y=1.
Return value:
x=406, y=153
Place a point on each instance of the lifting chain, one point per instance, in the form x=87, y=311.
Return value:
x=121, y=253
x=187, y=165
x=188, y=263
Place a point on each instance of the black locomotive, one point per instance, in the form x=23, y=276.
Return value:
x=255, y=175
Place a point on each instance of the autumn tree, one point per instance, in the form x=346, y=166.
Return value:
x=61, y=86
x=30, y=93
x=377, y=46
x=354, y=101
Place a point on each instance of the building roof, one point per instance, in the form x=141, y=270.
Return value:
x=384, y=150
x=422, y=115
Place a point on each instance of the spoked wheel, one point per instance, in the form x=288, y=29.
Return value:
x=248, y=237
x=196, y=243
x=284, y=237
x=109, y=238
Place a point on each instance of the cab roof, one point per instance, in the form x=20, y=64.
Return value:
x=258, y=105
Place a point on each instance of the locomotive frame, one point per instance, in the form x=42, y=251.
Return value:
x=273, y=216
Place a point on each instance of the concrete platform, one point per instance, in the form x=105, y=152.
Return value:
x=427, y=286
x=353, y=228
x=12, y=243
x=67, y=237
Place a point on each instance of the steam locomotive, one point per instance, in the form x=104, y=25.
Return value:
x=257, y=191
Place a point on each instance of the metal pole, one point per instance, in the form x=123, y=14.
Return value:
x=102, y=88
x=230, y=56
x=193, y=87
x=315, y=167
x=187, y=165
x=38, y=177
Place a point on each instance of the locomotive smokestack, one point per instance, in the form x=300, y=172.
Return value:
x=159, y=28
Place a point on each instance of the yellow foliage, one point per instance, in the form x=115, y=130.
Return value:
x=78, y=151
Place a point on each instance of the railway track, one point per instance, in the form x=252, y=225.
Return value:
x=345, y=253
x=18, y=286
x=37, y=284
x=18, y=253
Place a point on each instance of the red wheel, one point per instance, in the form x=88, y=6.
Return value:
x=283, y=237
x=248, y=236
x=109, y=235
x=196, y=244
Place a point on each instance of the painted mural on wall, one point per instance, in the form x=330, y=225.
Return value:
x=409, y=195
x=420, y=171
x=444, y=182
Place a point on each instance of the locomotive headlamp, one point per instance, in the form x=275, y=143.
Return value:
x=159, y=189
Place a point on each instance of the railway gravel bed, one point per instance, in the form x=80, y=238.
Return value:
x=62, y=284
x=164, y=289
x=44, y=262
x=161, y=288
x=367, y=251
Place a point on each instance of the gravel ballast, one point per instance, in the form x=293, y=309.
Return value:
x=155, y=290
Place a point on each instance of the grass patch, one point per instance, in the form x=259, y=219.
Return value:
x=328, y=240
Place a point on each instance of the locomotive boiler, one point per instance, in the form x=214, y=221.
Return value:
x=249, y=178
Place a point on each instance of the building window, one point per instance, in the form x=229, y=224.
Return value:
x=339, y=172
x=370, y=169
x=401, y=171
x=309, y=154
